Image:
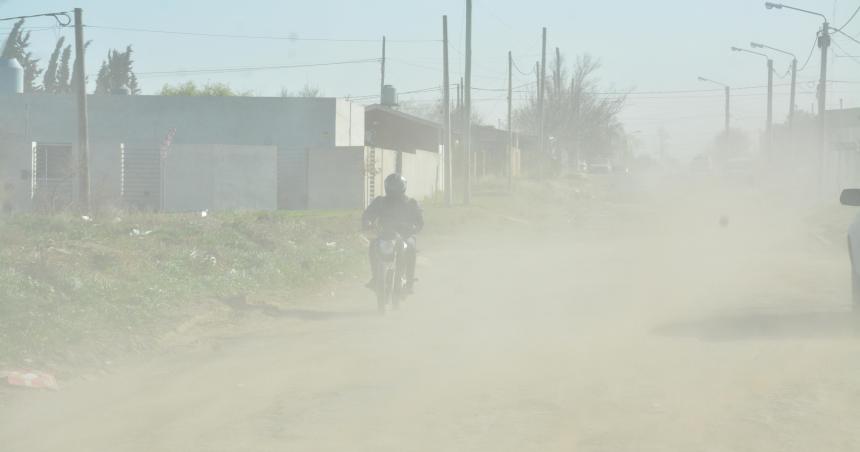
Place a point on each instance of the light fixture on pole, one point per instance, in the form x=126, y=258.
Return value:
x=769, y=124
x=823, y=43
x=727, y=90
x=791, y=105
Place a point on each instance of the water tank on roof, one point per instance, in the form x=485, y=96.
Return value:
x=389, y=96
x=11, y=76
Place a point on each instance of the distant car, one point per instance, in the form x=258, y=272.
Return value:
x=702, y=164
x=740, y=169
x=851, y=197
x=600, y=167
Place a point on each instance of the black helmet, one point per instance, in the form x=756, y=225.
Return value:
x=395, y=185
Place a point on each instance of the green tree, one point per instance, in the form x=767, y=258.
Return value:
x=75, y=74
x=17, y=45
x=64, y=82
x=190, y=88
x=50, y=81
x=117, y=73
x=581, y=122
x=306, y=91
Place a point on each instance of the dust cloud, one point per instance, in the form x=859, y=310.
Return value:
x=662, y=311
x=609, y=299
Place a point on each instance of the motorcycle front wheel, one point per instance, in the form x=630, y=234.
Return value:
x=385, y=292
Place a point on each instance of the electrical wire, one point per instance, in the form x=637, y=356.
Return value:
x=847, y=35
x=847, y=55
x=527, y=74
x=849, y=19
x=62, y=17
x=514, y=88
x=292, y=37
x=250, y=68
x=809, y=57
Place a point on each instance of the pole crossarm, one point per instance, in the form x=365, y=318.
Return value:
x=63, y=18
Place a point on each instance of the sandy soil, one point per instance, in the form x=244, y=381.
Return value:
x=635, y=323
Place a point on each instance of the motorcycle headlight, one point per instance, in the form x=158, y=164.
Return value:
x=386, y=247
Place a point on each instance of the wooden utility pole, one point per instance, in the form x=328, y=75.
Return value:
x=557, y=69
x=769, y=125
x=459, y=102
x=541, y=93
x=83, y=126
x=510, y=123
x=382, y=78
x=446, y=118
x=460, y=96
x=824, y=44
x=791, y=107
x=467, y=107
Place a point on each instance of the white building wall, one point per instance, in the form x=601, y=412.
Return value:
x=293, y=125
x=423, y=174
x=336, y=178
x=220, y=177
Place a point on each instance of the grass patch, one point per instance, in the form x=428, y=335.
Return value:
x=68, y=285
x=76, y=292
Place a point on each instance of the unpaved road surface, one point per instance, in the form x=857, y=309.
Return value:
x=636, y=322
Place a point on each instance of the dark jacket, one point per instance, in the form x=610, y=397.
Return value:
x=402, y=215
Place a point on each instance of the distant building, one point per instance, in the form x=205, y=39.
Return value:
x=844, y=126
x=193, y=153
x=406, y=144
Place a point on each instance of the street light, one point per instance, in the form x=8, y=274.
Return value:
x=771, y=5
x=791, y=105
x=728, y=94
x=824, y=44
x=769, y=124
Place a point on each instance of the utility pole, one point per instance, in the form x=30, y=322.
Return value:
x=446, y=108
x=557, y=77
x=460, y=95
x=467, y=107
x=791, y=107
x=542, y=88
x=510, y=123
x=83, y=126
x=824, y=43
x=728, y=92
x=382, y=79
x=769, y=128
x=728, y=96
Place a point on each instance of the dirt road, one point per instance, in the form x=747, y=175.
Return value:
x=635, y=323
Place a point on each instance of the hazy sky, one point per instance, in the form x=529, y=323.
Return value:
x=659, y=45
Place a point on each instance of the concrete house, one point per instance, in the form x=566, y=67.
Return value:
x=406, y=144
x=185, y=153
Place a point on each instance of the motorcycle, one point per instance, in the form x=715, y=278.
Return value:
x=391, y=271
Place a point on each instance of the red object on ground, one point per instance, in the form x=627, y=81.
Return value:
x=30, y=379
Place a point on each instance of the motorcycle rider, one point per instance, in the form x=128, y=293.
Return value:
x=396, y=213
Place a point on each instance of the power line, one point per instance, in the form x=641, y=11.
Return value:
x=292, y=37
x=504, y=89
x=847, y=55
x=62, y=17
x=847, y=35
x=809, y=57
x=527, y=74
x=409, y=63
x=849, y=19
x=250, y=68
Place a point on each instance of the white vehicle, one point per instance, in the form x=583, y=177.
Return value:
x=600, y=166
x=702, y=164
x=851, y=197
